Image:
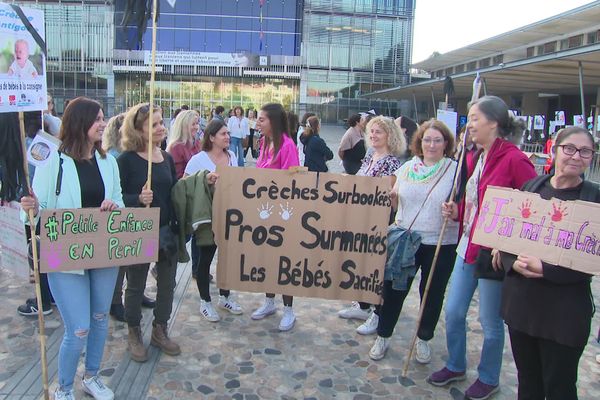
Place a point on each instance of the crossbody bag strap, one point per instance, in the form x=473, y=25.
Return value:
x=429, y=193
x=60, y=174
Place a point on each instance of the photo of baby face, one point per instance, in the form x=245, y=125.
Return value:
x=21, y=52
x=22, y=65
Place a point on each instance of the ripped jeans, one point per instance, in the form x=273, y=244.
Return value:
x=83, y=302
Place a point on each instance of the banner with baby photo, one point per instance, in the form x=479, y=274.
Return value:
x=301, y=233
x=22, y=59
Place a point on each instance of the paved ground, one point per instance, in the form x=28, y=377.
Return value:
x=237, y=358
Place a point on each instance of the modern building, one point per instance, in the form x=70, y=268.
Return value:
x=548, y=66
x=317, y=55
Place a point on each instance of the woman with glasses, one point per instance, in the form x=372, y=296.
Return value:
x=500, y=163
x=422, y=184
x=80, y=175
x=133, y=166
x=548, y=308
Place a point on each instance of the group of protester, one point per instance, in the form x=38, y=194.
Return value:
x=547, y=308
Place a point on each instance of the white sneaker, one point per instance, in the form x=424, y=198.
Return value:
x=288, y=319
x=95, y=388
x=379, y=348
x=265, y=310
x=354, y=312
x=62, y=395
x=208, y=312
x=369, y=327
x=227, y=303
x=423, y=353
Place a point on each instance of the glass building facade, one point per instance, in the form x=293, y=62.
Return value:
x=310, y=55
x=352, y=47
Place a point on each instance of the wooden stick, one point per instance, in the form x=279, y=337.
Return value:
x=36, y=270
x=461, y=156
x=151, y=104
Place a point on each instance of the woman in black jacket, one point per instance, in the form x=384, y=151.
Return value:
x=316, y=152
x=548, y=308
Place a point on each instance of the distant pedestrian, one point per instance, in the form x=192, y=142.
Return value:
x=316, y=152
x=352, y=148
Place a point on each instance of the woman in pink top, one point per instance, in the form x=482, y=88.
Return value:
x=182, y=144
x=277, y=151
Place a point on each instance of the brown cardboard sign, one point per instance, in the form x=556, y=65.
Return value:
x=301, y=233
x=86, y=238
x=565, y=233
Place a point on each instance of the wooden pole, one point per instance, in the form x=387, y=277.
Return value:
x=36, y=269
x=151, y=104
x=475, y=96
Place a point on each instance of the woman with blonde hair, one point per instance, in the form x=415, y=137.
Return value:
x=182, y=143
x=387, y=144
x=111, y=140
x=133, y=167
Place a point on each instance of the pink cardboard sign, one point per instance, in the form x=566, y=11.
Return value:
x=565, y=233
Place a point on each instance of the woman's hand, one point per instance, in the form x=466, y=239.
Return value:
x=212, y=178
x=146, y=197
x=450, y=210
x=529, y=267
x=108, y=205
x=30, y=203
x=496, y=260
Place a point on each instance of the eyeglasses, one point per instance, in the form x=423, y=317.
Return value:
x=570, y=150
x=437, y=141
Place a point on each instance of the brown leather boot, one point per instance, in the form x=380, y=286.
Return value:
x=161, y=339
x=137, y=351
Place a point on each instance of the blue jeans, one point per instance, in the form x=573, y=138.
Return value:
x=83, y=302
x=462, y=286
x=237, y=148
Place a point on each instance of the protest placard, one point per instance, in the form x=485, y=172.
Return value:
x=565, y=233
x=302, y=234
x=43, y=144
x=13, y=242
x=85, y=238
x=450, y=118
x=22, y=62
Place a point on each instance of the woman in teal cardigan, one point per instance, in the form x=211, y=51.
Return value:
x=80, y=175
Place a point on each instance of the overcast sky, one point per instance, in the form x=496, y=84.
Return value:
x=447, y=25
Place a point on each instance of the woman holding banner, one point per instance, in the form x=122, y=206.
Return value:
x=387, y=144
x=277, y=151
x=548, y=308
x=80, y=175
x=215, y=152
x=133, y=166
x=501, y=163
x=422, y=184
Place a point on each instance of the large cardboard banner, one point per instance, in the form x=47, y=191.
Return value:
x=85, y=238
x=13, y=241
x=301, y=233
x=565, y=233
x=22, y=62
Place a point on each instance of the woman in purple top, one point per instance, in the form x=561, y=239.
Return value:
x=277, y=151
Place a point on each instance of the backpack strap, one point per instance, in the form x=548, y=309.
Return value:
x=534, y=184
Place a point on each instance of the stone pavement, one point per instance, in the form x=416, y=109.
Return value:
x=237, y=358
